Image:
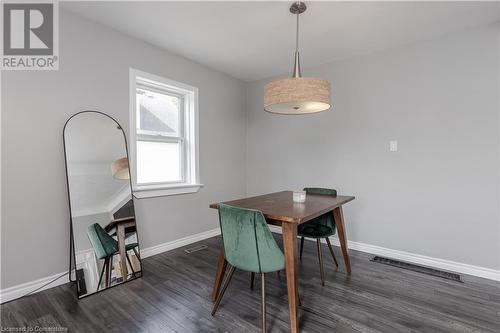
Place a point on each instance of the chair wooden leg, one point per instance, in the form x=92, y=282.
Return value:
x=252, y=278
x=331, y=251
x=219, y=275
x=102, y=273
x=224, y=287
x=320, y=258
x=301, y=246
x=263, y=291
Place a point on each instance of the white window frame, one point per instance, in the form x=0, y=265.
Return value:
x=188, y=136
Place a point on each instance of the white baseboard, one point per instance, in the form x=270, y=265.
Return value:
x=14, y=292
x=419, y=259
x=17, y=291
x=8, y=294
x=414, y=258
x=151, y=251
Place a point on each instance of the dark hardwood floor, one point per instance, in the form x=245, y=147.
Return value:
x=174, y=296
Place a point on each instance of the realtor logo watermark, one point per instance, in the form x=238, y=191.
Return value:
x=30, y=38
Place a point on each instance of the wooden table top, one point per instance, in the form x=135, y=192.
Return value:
x=128, y=221
x=279, y=206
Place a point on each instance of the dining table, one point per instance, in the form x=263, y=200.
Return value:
x=279, y=209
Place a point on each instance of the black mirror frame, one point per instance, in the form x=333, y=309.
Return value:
x=72, y=254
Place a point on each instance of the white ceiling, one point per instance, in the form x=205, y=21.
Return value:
x=254, y=40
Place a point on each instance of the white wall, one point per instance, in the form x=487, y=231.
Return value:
x=93, y=74
x=439, y=194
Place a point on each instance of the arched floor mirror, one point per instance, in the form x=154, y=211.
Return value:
x=104, y=244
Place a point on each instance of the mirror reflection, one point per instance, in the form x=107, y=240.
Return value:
x=106, y=245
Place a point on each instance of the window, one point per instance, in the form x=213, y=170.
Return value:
x=164, y=136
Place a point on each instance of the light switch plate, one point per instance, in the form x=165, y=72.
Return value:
x=393, y=145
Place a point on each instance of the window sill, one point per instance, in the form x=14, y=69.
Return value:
x=156, y=191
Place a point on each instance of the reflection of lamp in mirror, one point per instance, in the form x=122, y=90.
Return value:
x=119, y=169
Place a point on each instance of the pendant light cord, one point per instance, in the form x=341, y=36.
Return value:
x=297, y=35
x=296, y=65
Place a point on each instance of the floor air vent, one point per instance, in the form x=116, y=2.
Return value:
x=195, y=249
x=417, y=268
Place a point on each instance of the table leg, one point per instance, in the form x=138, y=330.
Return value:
x=219, y=275
x=120, y=234
x=339, y=222
x=291, y=256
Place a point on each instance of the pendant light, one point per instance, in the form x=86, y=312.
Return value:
x=119, y=169
x=297, y=95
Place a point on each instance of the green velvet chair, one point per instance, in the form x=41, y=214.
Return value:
x=105, y=247
x=320, y=227
x=250, y=246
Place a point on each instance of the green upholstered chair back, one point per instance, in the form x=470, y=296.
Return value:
x=248, y=243
x=325, y=219
x=322, y=191
x=104, y=245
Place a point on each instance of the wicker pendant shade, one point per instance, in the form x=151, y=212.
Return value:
x=297, y=95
